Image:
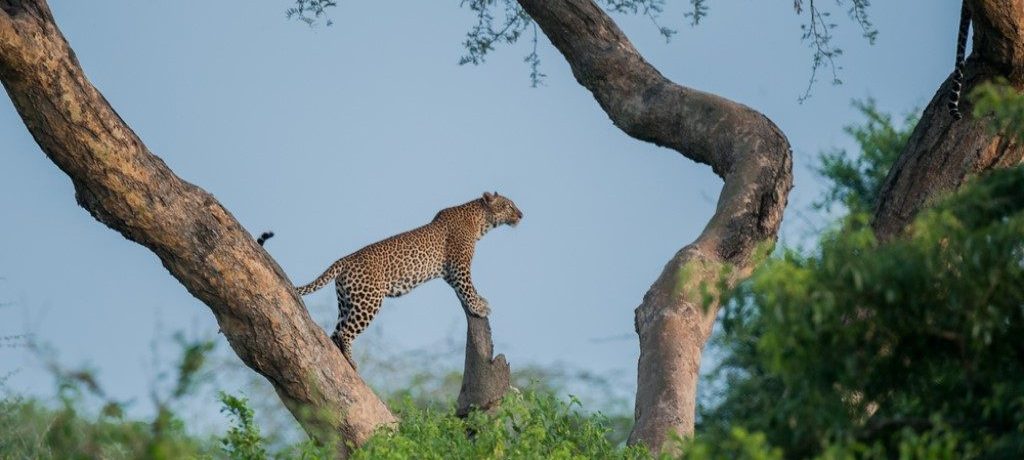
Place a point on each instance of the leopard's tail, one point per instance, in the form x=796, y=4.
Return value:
x=321, y=281
x=958, y=69
x=264, y=237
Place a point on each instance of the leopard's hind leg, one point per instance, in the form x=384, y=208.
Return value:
x=344, y=312
x=355, y=311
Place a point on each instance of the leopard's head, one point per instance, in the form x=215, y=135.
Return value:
x=501, y=210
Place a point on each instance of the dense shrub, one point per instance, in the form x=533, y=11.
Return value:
x=30, y=429
x=527, y=425
x=909, y=349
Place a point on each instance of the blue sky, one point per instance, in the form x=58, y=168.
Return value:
x=336, y=137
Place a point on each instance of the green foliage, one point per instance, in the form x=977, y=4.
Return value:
x=653, y=10
x=243, y=440
x=87, y=423
x=309, y=11
x=74, y=429
x=854, y=180
x=818, y=35
x=817, y=32
x=194, y=355
x=908, y=348
x=863, y=350
x=527, y=425
x=29, y=429
x=433, y=391
x=488, y=31
x=698, y=10
x=504, y=22
x=739, y=444
x=1003, y=104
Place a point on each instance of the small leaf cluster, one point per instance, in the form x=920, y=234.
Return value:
x=243, y=440
x=1002, y=105
x=854, y=179
x=818, y=34
x=310, y=11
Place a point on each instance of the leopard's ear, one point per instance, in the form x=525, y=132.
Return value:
x=488, y=198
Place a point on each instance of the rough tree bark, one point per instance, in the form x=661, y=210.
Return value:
x=942, y=152
x=741, y=145
x=129, y=189
x=484, y=380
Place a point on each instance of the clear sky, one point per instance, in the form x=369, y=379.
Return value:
x=336, y=137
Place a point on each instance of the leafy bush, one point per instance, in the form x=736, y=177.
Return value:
x=532, y=424
x=243, y=440
x=528, y=425
x=1003, y=105
x=30, y=429
x=908, y=349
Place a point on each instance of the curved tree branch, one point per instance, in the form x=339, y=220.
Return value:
x=942, y=152
x=741, y=145
x=129, y=189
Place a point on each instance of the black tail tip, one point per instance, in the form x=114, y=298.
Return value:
x=264, y=237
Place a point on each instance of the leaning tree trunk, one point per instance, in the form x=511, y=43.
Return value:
x=942, y=152
x=129, y=189
x=741, y=145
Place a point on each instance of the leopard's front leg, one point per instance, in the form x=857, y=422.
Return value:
x=459, y=278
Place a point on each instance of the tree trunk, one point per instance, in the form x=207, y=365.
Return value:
x=484, y=380
x=741, y=145
x=132, y=191
x=942, y=152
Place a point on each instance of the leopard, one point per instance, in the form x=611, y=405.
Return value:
x=392, y=267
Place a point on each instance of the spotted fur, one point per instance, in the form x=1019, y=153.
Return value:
x=957, y=84
x=394, y=266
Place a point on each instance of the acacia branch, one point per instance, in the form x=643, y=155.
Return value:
x=123, y=185
x=741, y=145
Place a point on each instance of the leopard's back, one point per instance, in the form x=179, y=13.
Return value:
x=397, y=264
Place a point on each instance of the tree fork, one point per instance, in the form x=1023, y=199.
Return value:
x=741, y=145
x=123, y=185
